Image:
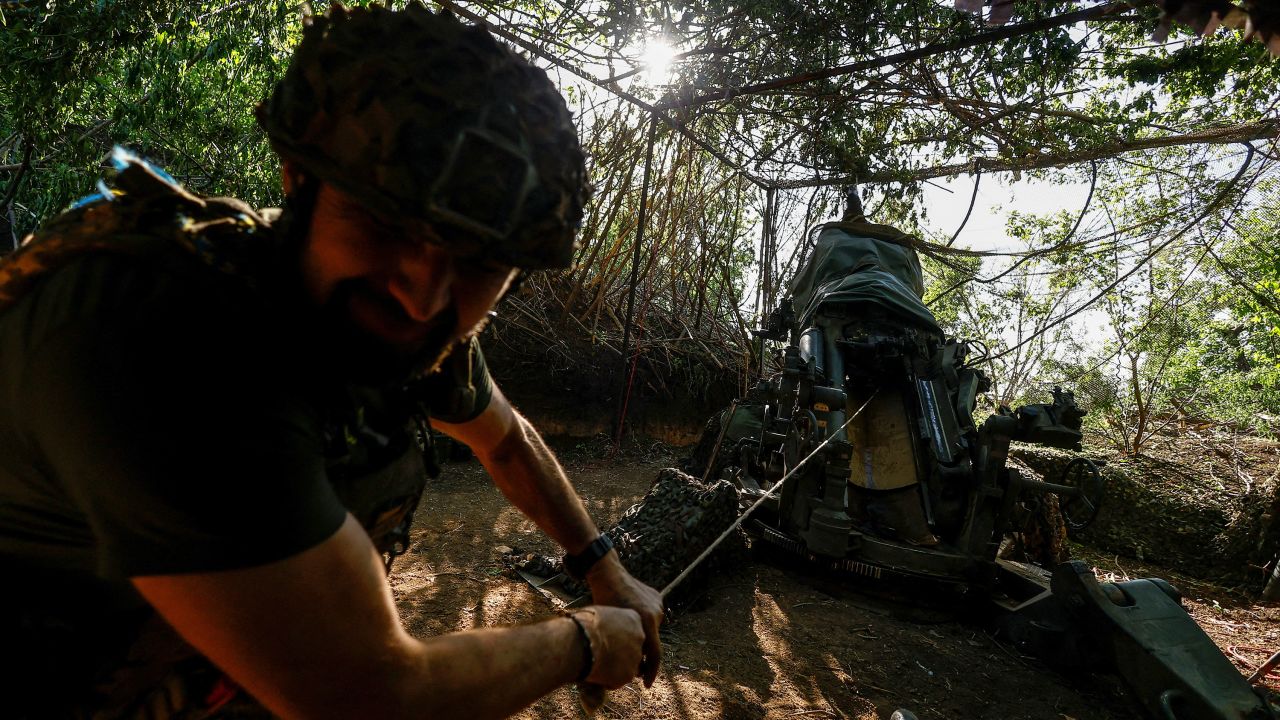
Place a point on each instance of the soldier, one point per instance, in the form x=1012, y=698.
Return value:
x=208, y=412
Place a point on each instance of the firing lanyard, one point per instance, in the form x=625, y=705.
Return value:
x=592, y=696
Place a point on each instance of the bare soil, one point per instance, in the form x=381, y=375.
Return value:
x=767, y=640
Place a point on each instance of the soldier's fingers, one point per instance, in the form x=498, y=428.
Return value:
x=652, y=653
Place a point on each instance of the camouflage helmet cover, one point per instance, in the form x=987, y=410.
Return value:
x=425, y=119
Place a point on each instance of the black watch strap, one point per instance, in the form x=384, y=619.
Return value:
x=578, y=565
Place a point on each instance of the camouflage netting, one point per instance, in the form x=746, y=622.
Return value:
x=658, y=537
x=1217, y=537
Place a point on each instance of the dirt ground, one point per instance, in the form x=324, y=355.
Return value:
x=768, y=640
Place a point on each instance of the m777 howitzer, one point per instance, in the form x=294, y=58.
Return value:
x=905, y=490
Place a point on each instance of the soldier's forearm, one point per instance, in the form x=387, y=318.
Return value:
x=492, y=673
x=528, y=474
x=306, y=646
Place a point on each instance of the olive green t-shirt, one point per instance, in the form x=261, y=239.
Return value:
x=156, y=417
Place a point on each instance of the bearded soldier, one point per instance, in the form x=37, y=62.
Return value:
x=207, y=436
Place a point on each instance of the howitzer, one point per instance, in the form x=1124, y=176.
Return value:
x=915, y=492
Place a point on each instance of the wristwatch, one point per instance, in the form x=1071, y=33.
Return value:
x=578, y=565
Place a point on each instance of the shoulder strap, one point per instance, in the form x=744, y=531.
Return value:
x=146, y=212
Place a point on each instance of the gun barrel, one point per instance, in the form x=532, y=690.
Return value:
x=853, y=205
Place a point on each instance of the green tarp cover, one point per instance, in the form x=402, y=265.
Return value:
x=863, y=264
x=747, y=422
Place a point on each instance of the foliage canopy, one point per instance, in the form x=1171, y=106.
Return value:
x=798, y=95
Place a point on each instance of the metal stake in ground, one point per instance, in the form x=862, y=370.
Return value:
x=715, y=452
x=592, y=697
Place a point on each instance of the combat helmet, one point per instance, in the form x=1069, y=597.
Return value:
x=426, y=120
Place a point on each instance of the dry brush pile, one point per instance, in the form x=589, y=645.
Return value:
x=688, y=327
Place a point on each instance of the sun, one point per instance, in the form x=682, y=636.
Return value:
x=656, y=59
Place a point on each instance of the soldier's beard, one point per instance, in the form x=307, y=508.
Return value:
x=339, y=348
x=364, y=358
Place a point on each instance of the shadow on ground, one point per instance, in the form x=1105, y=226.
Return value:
x=762, y=641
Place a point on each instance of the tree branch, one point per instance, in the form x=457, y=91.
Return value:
x=1261, y=130
x=1004, y=33
x=675, y=124
x=1209, y=208
x=21, y=169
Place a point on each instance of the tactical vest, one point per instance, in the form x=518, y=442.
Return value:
x=374, y=462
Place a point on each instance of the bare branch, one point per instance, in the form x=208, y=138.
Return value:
x=1261, y=130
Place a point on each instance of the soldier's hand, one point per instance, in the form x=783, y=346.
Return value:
x=617, y=644
x=611, y=584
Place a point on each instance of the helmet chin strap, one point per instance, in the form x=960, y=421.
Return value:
x=290, y=231
x=299, y=208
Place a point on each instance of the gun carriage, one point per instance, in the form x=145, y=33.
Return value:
x=869, y=422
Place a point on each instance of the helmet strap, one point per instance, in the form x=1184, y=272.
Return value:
x=299, y=207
